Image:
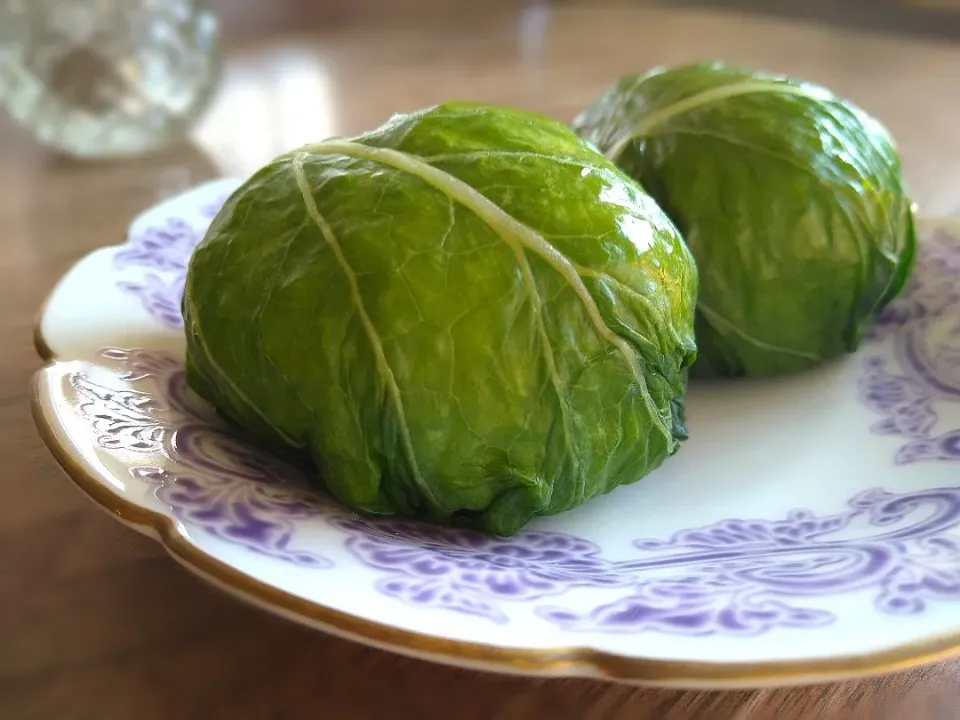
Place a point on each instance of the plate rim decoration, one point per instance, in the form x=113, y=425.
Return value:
x=562, y=660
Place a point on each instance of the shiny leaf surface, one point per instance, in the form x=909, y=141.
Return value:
x=467, y=314
x=792, y=201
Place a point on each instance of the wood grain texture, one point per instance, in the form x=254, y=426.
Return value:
x=97, y=623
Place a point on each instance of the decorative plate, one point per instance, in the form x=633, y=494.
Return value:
x=808, y=530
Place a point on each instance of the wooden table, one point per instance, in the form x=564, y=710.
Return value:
x=96, y=622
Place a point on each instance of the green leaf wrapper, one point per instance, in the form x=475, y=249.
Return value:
x=792, y=201
x=468, y=314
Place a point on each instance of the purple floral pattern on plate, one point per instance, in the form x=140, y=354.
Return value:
x=160, y=298
x=734, y=577
x=746, y=577
x=730, y=578
x=214, y=481
x=470, y=572
x=923, y=324
x=163, y=252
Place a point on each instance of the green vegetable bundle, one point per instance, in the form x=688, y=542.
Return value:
x=472, y=315
x=792, y=201
x=468, y=314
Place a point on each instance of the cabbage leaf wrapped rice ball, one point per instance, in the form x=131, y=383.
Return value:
x=468, y=314
x=792, y=201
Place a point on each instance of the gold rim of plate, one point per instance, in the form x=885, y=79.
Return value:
x=563, y=661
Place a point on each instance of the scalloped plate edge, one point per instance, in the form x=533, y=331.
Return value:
x=569, y=661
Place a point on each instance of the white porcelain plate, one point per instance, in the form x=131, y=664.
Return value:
x=808, y=530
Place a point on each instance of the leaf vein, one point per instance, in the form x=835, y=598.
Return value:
x=383, y=366
x=513, y=232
